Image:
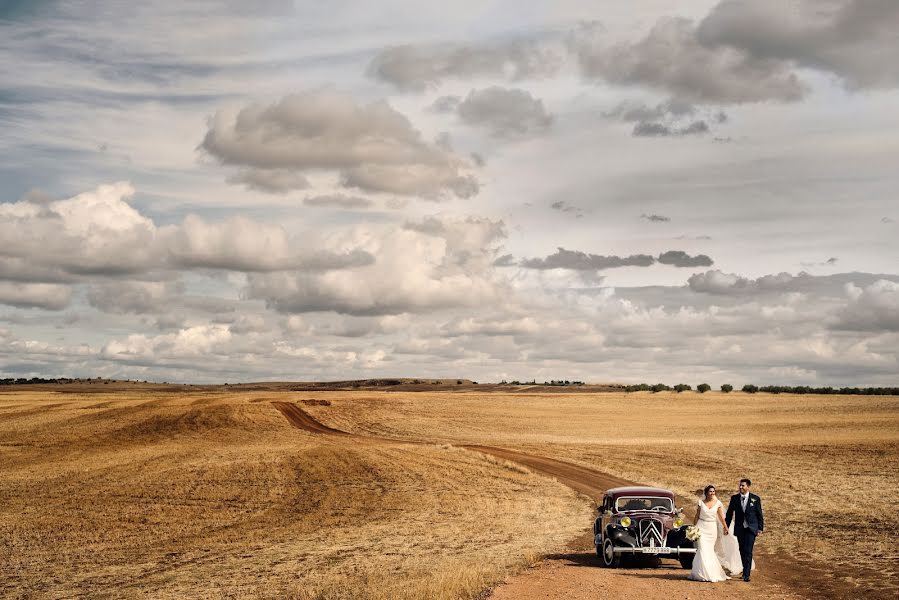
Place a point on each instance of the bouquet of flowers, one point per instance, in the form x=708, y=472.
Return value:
x=693, y=533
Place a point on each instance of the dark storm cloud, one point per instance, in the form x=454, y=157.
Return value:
x=646, y=129
x=749, y=51
x=506, y=260
x=504, y=112
x=48, y=296
x=581, y=261
x=631, y=111
x=564, y=207
x=446, y=104
x=136, y=297
x=419, y=67
x=679, y=258
x=271, y=181
x=853, y=39
x=671, y=58
x=338, y=201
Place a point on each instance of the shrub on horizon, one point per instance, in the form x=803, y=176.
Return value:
x=702, y=388
x=727, y=388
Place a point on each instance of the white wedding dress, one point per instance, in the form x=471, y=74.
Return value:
x=706, y=564
x=728, y=551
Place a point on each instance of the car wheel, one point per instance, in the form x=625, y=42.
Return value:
x=610, y=560
x=686, y=560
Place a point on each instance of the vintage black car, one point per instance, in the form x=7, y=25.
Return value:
x=641, y=521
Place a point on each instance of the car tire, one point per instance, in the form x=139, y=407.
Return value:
x=686, y=560
x=610, y=560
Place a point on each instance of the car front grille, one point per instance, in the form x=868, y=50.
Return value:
x=651, y=533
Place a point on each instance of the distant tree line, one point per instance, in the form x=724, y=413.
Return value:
x=37, y=380
x=61, y=380
x=804, y=389
x=771, y=389
x=553, y=382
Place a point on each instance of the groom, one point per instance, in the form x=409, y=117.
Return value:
x=747, y=508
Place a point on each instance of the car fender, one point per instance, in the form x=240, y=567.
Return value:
x=620, y=536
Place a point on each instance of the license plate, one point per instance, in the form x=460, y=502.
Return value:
x=655, y=550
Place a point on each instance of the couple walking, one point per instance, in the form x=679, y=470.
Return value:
x=724, y=547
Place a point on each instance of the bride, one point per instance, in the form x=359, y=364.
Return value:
x=717, y=553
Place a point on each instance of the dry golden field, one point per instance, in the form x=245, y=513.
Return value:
x=825, y=466
x=215, y=495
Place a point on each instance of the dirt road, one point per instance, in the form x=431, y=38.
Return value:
x=577, y=573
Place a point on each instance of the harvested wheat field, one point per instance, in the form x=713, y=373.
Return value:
x=216, y=495
x=825, y=466
x=213, y=493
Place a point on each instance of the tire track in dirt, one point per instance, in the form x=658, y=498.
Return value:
x=300, y=419
x=584, y=480
x=563, y=576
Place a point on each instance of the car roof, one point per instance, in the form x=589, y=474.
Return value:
x=639, y=491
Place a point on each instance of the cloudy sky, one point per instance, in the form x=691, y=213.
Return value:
x=609, y=191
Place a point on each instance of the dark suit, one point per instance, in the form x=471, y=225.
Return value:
x=755, y=523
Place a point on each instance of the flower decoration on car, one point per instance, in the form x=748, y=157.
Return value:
x=678, y=522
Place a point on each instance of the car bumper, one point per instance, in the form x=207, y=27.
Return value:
x=659, y=551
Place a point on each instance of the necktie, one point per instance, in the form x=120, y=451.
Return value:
x=745, y=498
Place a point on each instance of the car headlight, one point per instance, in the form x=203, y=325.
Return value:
x=678, y=522
x=625, y=521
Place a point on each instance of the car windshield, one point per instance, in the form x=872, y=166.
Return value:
x=643, y=503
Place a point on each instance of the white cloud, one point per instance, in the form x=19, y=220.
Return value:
x=100, y=233
x=420, y=67
x=425, y=266
x=370, y=146
x=191, y=342
x=95, y=232
x=872, y=308
x=240, y=244
x=125, y=95
x=716, y=282
x=498, y=326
